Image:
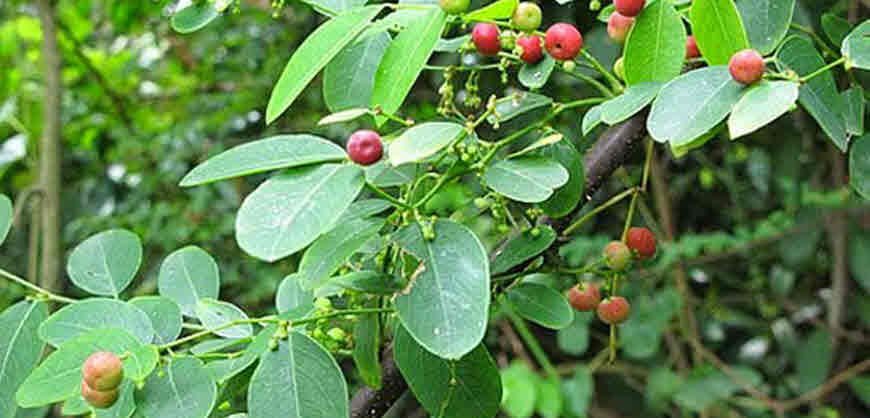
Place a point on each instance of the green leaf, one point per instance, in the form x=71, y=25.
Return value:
x=366, y=349
x=194, y=17
x=404, y=60
x=516, y=104
x=760, y=105
x=565, y=198
x=224, y=370
x=680, y=150
x=767, y=22
x=574, y=339
x=272, y=153
x=859, y=263
x=184, y=389
x=369, y=282
x=124, y=406
x=315, y=52
x=365, y=208
x=187, y=275
x=591, y=119
x=75, y=406
x=215, y=314
x=861, y=386
x=332, y=7
x=541, y=304
x=523, y=247
x=718, y=30
x=519, y=386
x=140, y=362
x=344, y=116
x=421, y=141
x=656, y=46
x=348, y=80
x=534, y=76
x=835, y=27
x=453, y=44
x=705, y=386
x=217, y=345
x=5, y=217
x=641, y=334
x=853, y=99
x=526, y=179
x=165, y=316
x=693, y=104
x=20, y=349
x=813, y=360
x=289, y=211
x=297, y=380
x=624, y=106
x=549, y=402
x=856, y=47
x=105, y=263
x=467, y=387
x=329, y=252
x=384, y=174
x=661, y=386
x=291, y=296
x=446, y=308
x=859, y=169
x=59, y=377
x=577, y=391
x=87, y=315
x=500, y=9
x=819, y=95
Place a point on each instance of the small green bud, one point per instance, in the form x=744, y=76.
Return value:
x=337, y=334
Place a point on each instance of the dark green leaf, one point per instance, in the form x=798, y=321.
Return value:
x=215, y=315
x=369, y=282
x=536, y=75
x=641, y=334
x=705, y=386
x=591, y=119
x=577, y=392
x=332, y=249
x=541, y=304
x=856, y=47
x=224, y=370
x=523, y=247
x=348, y=80
x=20, y=349
x=859, y=170
x=565, y=198
x=514, y=105
x=767, y=22
x=835, y=27
x=194, y=17
x=574, y=339
x=853, y=99
x=367, y=349
x=291, y=296
x=526, y=179
x=814, y=360
x=624, y=106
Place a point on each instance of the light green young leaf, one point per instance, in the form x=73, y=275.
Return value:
x=718, y=30
x=591, y=119
x=343, y=116
x=5, y=216
x=624, y=106
x=656, y=45
x=500, y=9
x=291, y=296
x=760, y=105
x=105, y=263
x=140, y=362
x=422, y=141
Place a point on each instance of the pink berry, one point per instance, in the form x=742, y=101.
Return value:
x=531, y=45
x=746, y=66
x=563, y=41
x=103, y=371
x=618, y=26
x=364, y=147
x=630, y=8
x=485, y=38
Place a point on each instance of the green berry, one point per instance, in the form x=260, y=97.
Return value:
x=617, y=255
x=454, y=7
x=527, y=16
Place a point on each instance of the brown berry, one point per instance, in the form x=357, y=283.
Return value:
x=584, y=297
x=614, y=310
x=99, y=399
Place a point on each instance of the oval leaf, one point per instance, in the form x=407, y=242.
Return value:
x=291, y=296
x=591, y=119
x=297, y=380
x=527, y=179
x=693, y=104
x=624, y=106
x=656, y=45
x=289, y=211
x=421, y=141
x=404, y=60
x=5, y=217
x=523, y=247
x=282, y=151
x=224, y=370
x=761, y=104
x=446, y=305
x=216, y=315
x=541, y=304
x=165, y=316
x=516, y=104
x=194, y=17
x=565, y=198
x=184, y=390
x=535, y=76
x=187, y=275
x=140, y=362
x=859, y=166
x=767, y=22
x=856, y=46
x=718, y=30
x=334, y=248
x=105, y=263
x=20, y=349
x=315, y=52
x=853, y=99
x=500, y=9
x=88, y=315
x=349, y=78
x=343, y=116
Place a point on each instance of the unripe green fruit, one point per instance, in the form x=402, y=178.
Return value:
x=614, y=310
x=103, y=371
x=619, y=68
x=454, y=7
x=527, y=16
x=337, y=334
x=99, y=399
x=617, y=255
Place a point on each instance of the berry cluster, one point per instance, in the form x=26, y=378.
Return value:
x=101, y=379
x=639, y=244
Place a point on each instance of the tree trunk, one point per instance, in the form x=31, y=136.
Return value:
x=50, y=151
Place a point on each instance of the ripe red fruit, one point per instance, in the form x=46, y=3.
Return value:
x=642, y=241
x=614, y=310
x=527, y=16
x=99, y=399
x=618, y=26
x=485, y=38
x=103, y=371
x=584, y=297
x=532, y=51
x=364, y=147
x=746, y=66
x=617, y=255
x=630, y=8
x=563, y=41
x=453, y=7
x=692, y=50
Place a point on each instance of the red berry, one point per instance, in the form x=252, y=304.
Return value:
x=618, y=26
x=617, y=255
x=614, y=310
x=584, y=297
x=642, y=241
x=746, y=66
x=485, y=38
x=527, y=16
x=103, y=371
x=364, y=147
x=692, y=47
x=532, y=51
x=99, y=399
x=630, y=8
x=563, y=41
